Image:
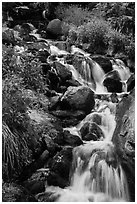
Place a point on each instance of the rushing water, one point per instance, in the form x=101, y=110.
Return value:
x=96, y=174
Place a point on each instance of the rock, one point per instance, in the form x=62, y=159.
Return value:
x=36, y=46
x=60, y=168
x=62, y=71
x=54, y=28
x=12, y=192
x=104, y=62
x=43, y=55
x=124, y=139
x=91, y=131
x=78, y=98
x=45, y=68
x=28, y=27
x=114, y=74
x=62, y=45
x=72, y=140
x=54, y=79
x=54, y=102
x=113, y=85
x=72, y=82
x=28, y=170
x=131, y=83
x=9, y=36
x=41, y=125
x=62, y=114
x=36, y=183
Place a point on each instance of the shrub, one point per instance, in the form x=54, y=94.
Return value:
x=116, y=42
x=95, y=33
x=25, y=66
x=73, y=14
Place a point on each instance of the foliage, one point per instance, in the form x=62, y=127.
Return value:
x=15, y=152
x=24, y=65
x=73, y=14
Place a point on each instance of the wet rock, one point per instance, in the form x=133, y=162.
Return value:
x=72, y=140
x=45, y=68
x=62, y=71
x=91, y=131
x=36, y=183
x=54, y=28
x=60, y=168
x=62, y=114
x=104, y=62
x=54, y=79
x=113, y=85
x=72, y=82
x=28, y=170
x=78, y=98
x=131, y=83
x=124, y=139
x=43, y=55
x=28, y=27
x=12, y=192
x=114, y=74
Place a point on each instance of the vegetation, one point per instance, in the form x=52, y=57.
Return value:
x=106, y=28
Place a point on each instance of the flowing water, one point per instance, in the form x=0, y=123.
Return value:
x=96, y=174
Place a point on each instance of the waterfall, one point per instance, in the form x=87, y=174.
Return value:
x=96, y=173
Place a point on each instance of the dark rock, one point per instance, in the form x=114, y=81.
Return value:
x=36, y=183
x=12, y=192
x=124, y=139
x=60, y=168
x=54, y=79
x=51, y=146
x=43, y=55
x=113, y=85
x=54, y=28
x=28, y=170
x=28, y=27
x=54, y=102
x=62, y=114
x=72, y=140
x=62, y=71
x=131, y=83
x=91, y=131
x=45, y=68
x=114, y=74
x=72, y=82
x=104, y=62
x=78, y=98
x=9, y=36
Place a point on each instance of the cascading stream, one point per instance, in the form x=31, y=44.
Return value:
x=96, y=173
x=95, y=167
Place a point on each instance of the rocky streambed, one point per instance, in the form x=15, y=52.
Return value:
x=88, y=100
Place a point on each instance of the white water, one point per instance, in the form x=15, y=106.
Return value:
x=96, y=174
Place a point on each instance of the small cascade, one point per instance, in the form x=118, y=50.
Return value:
x=123, y=71
x=96, y=173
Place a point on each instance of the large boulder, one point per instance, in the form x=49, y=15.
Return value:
x=113, y=85
x=54, y=28
x=62, y=71
x=60, y=167
x=124, y=139
x=78, y=98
